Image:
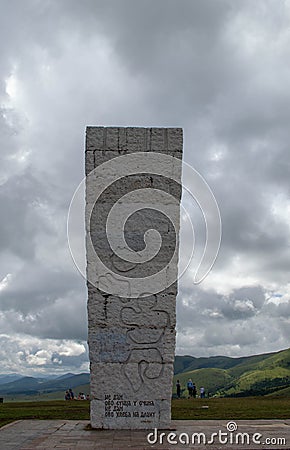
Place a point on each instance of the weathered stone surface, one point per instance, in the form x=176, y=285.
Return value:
x=156, y=311
x=131, y=296
x=126, y=344
x=120, y=141
x=90, y=162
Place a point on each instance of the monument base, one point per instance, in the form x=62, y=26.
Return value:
x=126, y=402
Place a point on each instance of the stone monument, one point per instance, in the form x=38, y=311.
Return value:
x=133, y=191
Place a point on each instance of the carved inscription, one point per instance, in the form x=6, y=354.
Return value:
x=116, y=407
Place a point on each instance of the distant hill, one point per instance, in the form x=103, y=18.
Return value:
x=66, y=375
x=22, y=385
x=63, y=383
x=265, y=374
x=34, y=386
x=7, y=378
x=210, y=378
x=187, y=363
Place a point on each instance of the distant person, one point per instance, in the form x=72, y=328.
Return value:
x=194, y=390
x=88, y=397
x=189, y=387
x=67, y=395
x=178, y=389
x=81, y=396
x=202, y=392
x=72, y=395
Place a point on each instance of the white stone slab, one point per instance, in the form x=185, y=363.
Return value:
x=131, y=303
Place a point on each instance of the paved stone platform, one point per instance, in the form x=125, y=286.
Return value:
x=76, y=435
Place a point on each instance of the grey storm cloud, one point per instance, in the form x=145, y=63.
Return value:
x=220, y=70
x=231, y=324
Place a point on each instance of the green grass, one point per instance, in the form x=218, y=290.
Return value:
x=281, y=393
x=231, y=408
x=71, y=410
x=183, y=409
x=249, y=379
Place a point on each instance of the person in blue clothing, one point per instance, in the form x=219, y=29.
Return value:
x=190, y=387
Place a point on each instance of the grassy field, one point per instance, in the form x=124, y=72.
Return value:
x=214, y=408
x=231, y=408
x=73, y=410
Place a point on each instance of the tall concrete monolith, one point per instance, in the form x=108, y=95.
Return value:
x=133, y=191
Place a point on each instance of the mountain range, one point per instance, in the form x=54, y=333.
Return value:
x=38, y=386
x=265, y=374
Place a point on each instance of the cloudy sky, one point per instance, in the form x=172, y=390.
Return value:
x=219, y=69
